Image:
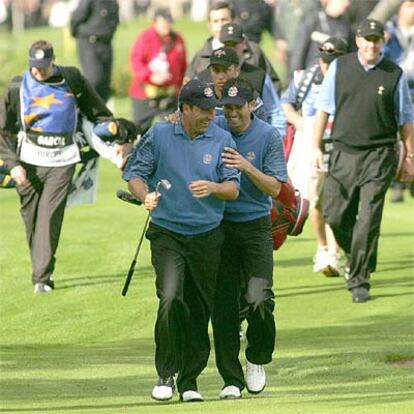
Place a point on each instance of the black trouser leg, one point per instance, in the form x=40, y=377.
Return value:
x=225, y=318
x=96, y=63
x=43, y=201
x=203, y=256
x=364, y=179
x=186, y=269
x=247, y=253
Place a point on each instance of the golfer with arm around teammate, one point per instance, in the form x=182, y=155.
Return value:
x=185, y=233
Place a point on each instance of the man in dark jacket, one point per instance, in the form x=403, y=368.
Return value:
x=93, y=24
x=38, y=123
x=221, y=13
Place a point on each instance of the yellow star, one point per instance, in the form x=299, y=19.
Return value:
x=45, y=101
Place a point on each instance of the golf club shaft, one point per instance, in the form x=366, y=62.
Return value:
x=134, y=261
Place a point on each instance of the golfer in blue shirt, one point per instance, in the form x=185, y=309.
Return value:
x=247, y=253
x=185, y=232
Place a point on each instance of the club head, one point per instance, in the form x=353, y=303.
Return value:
x=164, y=184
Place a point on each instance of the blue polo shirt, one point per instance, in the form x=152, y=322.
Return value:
x=167, y=152
x=262, y=145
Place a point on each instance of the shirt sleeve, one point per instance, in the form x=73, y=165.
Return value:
x=290, y=94
x=142, y=162
x=402, y=102
x=274, y=163
x=226, y=173
x=273, y=107
x=326, y=98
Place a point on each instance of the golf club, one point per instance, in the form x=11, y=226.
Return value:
x=128, y=197
x=167, y=186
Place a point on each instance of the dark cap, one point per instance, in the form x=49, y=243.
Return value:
x=332, y=48
x=231, y=32
x=40, y=57
x=165, y=13
x=199, y=93
x=236, y=92
x=371, y=27
x=224, y=56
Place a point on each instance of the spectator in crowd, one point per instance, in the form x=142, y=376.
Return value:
x=186, y=236
x=358, y=11
x=289, y=15
x=158, y=62
x=331, y=21
x=221, y=13
x=41, y=110
x=385, y=9
x=298, y=102
x=256, y=17
x=93, y=24
x=369, y=97
x=399, y=47
x=247, y=252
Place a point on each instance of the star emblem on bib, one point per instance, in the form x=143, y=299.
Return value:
x=45, y=101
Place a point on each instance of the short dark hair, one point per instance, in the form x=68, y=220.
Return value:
x=42, y=45
x=218, y=5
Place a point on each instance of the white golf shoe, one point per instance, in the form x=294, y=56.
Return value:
x=191, y=396
x=255, y=378
x=164, y=389
x=231, y=392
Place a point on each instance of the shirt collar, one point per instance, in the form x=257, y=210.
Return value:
x=179, y=130
x=370, y=67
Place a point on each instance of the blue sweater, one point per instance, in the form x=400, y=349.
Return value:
x=167, y=152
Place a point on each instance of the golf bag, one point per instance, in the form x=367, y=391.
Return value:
x=288, y=214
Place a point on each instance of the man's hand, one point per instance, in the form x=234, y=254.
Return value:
x=151, y=200
x=18, y=174
x=173, y=118
x=233, y=159
x=407, y=170
x=317, y=160
x=201, y=188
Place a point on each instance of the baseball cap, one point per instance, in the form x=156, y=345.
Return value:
x=370, y=27
x=224, y=56
x=40, y=57
x=236, y=92
x=199, y=93
x=231, y=32
x=165, y=13
x=332, y=48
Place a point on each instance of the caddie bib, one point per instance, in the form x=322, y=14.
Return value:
x=49, y=121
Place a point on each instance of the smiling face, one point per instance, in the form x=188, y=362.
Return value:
x=221, y=74
x=239, y=117
x=217, y=19
x=369, y=48
x=196, y=120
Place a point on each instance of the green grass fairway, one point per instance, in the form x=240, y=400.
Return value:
x=86, y=349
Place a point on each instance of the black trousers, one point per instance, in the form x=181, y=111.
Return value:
x=186, y=269
x=246, y=260
x=96, y=61
x=43, y=201
x=354, y=196
x=145, y=110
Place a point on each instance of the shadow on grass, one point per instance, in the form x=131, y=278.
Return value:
x=351, y=364
x=87, y=280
